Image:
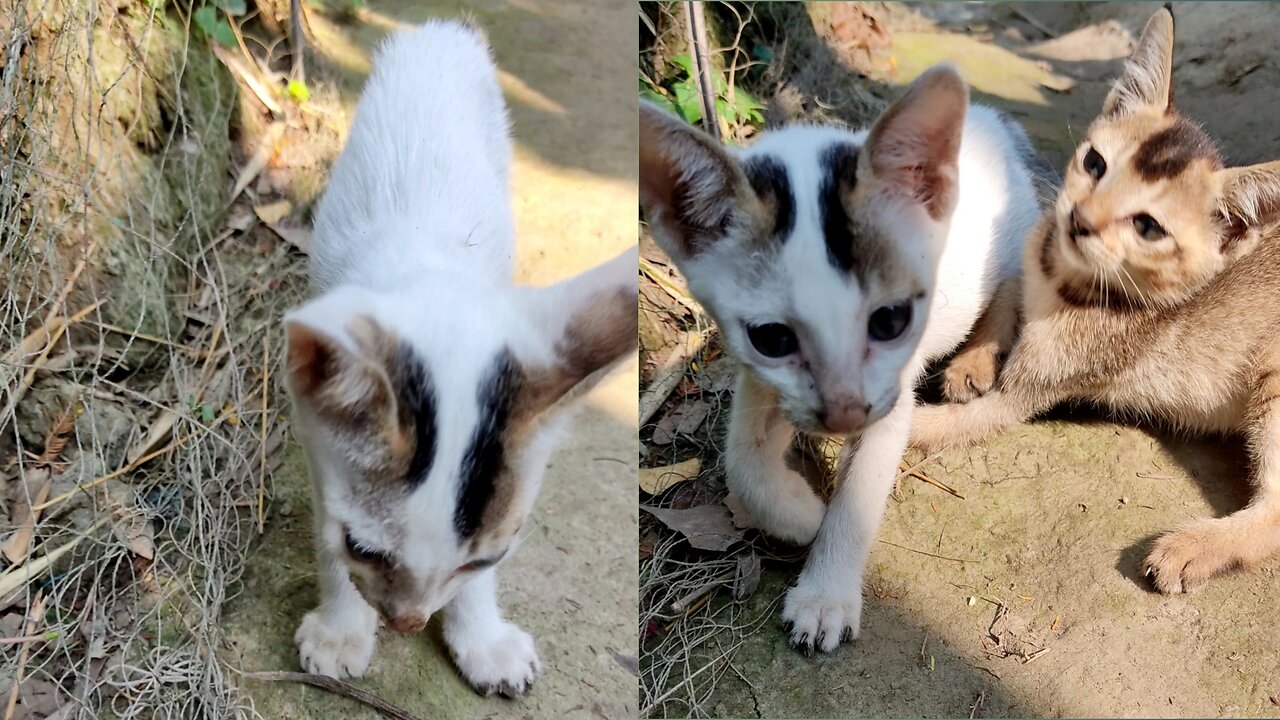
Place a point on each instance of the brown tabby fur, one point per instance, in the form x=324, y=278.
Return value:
x=1182, y=330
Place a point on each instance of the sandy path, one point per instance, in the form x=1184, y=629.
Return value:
x=568, y=70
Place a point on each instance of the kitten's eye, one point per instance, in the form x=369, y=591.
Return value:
x=1094, y=164
x=890, y=321
x=362, y=553
x=773, y=340
x=1148, y=228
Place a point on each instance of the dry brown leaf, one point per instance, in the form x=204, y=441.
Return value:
x=293, y=233
x=741, y=517
x=747, y=577
x=656, y=481
x=136, y=533
x=273, y=212
x=24, y=517
x=706, y=527
x=161, y=431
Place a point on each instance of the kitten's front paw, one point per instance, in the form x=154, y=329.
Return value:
x=500, y=661
x=337, y=644
x=1182, y=560
x=820, y=616
x=971, y=374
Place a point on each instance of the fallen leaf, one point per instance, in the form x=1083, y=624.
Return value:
x=136, y=533
x=683, y=420
x=656, y=481
x=24, y=518
x=706, y=527
x=160, y=432
x=747, y=577
x=294, y=234
x=273, y=212
x=741, y=517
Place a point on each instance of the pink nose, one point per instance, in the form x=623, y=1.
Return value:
x=408, y=623
x=845, y=415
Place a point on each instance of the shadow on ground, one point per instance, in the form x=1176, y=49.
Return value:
x=566, y=71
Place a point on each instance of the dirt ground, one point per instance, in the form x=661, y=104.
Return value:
x=1023, y=597
x=568, y=71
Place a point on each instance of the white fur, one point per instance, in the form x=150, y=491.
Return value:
x=415, y=231
x=995, y=211
x=957, y=261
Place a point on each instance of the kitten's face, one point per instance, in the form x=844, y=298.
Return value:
x=1147, y=215
x=1137, y=214
x=427, y=433
x=816, y=249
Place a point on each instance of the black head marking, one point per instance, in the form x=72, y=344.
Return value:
x=840, y=176
x=485, y=458
x=416, y=404
x=769, y=180
x=1170, y=151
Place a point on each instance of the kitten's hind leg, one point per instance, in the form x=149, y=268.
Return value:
x=972, y=372
x=1184, y=559
x=779, y=500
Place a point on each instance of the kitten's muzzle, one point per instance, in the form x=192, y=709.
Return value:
x=843, y=416
x=1079, y=225
x=408, y=623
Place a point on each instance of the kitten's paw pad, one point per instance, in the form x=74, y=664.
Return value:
x=337, y=645
x=970, y=375
x=1183, y=560
x=819, y=620
x=503, y=662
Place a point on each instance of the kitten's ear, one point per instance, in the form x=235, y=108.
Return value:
x=342, y=382
x=592, y=320
x=914, y=147
x=1147, y=82
x=1249, y=201
x=689, y=184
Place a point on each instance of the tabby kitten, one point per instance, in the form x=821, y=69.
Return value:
x=1153, y=289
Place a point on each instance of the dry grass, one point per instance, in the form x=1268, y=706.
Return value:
x=139, y=357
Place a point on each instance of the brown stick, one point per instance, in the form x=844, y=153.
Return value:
x=34, y=614
x=262, y=466
x=345, y=689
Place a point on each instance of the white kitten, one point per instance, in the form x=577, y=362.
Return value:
x=427, y=389
x=836, y=264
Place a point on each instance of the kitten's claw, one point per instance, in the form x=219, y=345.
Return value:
x=819, y=619
x=338, y=644
x=501, y=661
x=971, y=374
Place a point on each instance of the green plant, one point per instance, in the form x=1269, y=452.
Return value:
x=680, y=94
x=214, y=25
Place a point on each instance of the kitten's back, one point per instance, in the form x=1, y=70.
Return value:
x=423, y=177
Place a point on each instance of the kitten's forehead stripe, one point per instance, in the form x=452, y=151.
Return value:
x=416, y=403
x=1167, y=153
x=485, y=459
x=769, y=180
x=839, y=165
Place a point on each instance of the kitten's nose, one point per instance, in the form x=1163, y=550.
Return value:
x=408, y=623
x=1079, y=225
x=845, y=415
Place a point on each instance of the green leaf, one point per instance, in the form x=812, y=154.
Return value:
x=206, y=413
x=687, y=103
x=235, y=8
x=684, y=62
x=298, y=91
x=205, y=18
